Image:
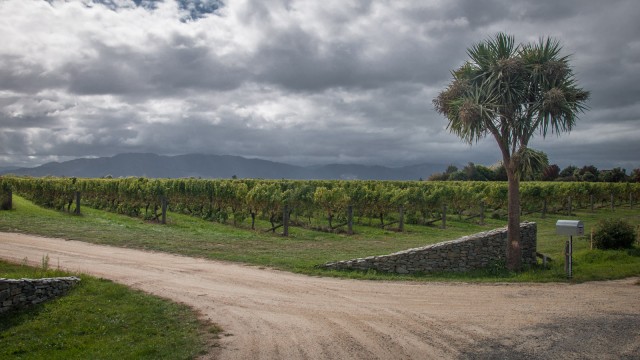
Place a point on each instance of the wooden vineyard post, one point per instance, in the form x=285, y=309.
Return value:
x=612, y=203
x=482, y=213
x=77, y=211
x=285, y=221
x=569, y=214
x=164, y=211
x=401, y=220
x=544, y=209
x=350, y=220
x=591, y=202
x=444, y=216
x=631, y=201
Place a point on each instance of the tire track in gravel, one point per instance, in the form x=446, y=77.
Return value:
x=271, y=314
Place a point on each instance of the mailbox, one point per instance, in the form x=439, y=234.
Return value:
x=569, y=227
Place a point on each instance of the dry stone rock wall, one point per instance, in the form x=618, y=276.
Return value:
x=20, y=293
x=467, y=253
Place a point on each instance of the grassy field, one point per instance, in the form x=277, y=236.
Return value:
x=99, y=319
x=304, y=249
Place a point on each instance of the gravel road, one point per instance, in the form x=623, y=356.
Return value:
x=270, y=314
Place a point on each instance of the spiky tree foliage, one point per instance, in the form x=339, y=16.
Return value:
x=512, y=92
x=532, y=164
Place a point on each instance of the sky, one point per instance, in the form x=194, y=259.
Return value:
x=302, y=82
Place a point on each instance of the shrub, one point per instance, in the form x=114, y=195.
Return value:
x=614, y=234
x=5, y=195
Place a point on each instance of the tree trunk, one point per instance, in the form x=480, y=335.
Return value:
x=514, y=253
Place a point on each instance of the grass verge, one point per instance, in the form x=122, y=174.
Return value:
x=99, y=319
x=304, y=249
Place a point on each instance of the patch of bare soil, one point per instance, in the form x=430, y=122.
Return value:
x=270, y=314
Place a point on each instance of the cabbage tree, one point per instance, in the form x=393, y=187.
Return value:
x=512, y=92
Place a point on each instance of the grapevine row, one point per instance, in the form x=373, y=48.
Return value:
x=238, y=200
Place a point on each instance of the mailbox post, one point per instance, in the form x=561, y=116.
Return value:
x=570, y=228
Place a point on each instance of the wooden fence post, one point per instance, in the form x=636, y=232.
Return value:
x=77, y=211
x=631, y=201
x=544, y=209
x=568, y=266
x=482, y=213
x=350, y=220
x=444, y=216
x=285, y=221
x=401, y=221
x=164, y=211
x=591, y=202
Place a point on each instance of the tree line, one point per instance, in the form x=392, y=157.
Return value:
x=571, y=173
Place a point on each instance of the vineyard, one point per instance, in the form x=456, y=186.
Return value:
x=316, y=204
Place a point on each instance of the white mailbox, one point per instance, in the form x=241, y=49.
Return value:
x=569, y=227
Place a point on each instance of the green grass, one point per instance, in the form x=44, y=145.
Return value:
x=304, y=249
x=98, y=319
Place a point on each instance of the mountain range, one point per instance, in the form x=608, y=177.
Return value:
x=218, y=166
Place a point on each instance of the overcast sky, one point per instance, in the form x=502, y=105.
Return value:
x=302, y=82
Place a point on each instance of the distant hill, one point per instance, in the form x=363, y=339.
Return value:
x=218, y=166
x=6, y=169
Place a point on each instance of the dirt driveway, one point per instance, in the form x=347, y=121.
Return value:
x=270, y=314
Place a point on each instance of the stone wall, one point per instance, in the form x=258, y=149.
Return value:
x=20, y=293
x=467, y=253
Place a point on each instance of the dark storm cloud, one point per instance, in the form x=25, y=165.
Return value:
x=292, y=59
x=113, y=71
x=479, y=13
x=182, y=63
x=605, y=154
x=176, y=63
x=25, y=122
x=408, y=51
x=13, y=143
x=18, y=112
x=193, y=9
x=25, y=75
x=301, y=81
x=606, y=53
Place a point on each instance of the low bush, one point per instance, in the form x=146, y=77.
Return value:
x=614, y=234
x=5, y=195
